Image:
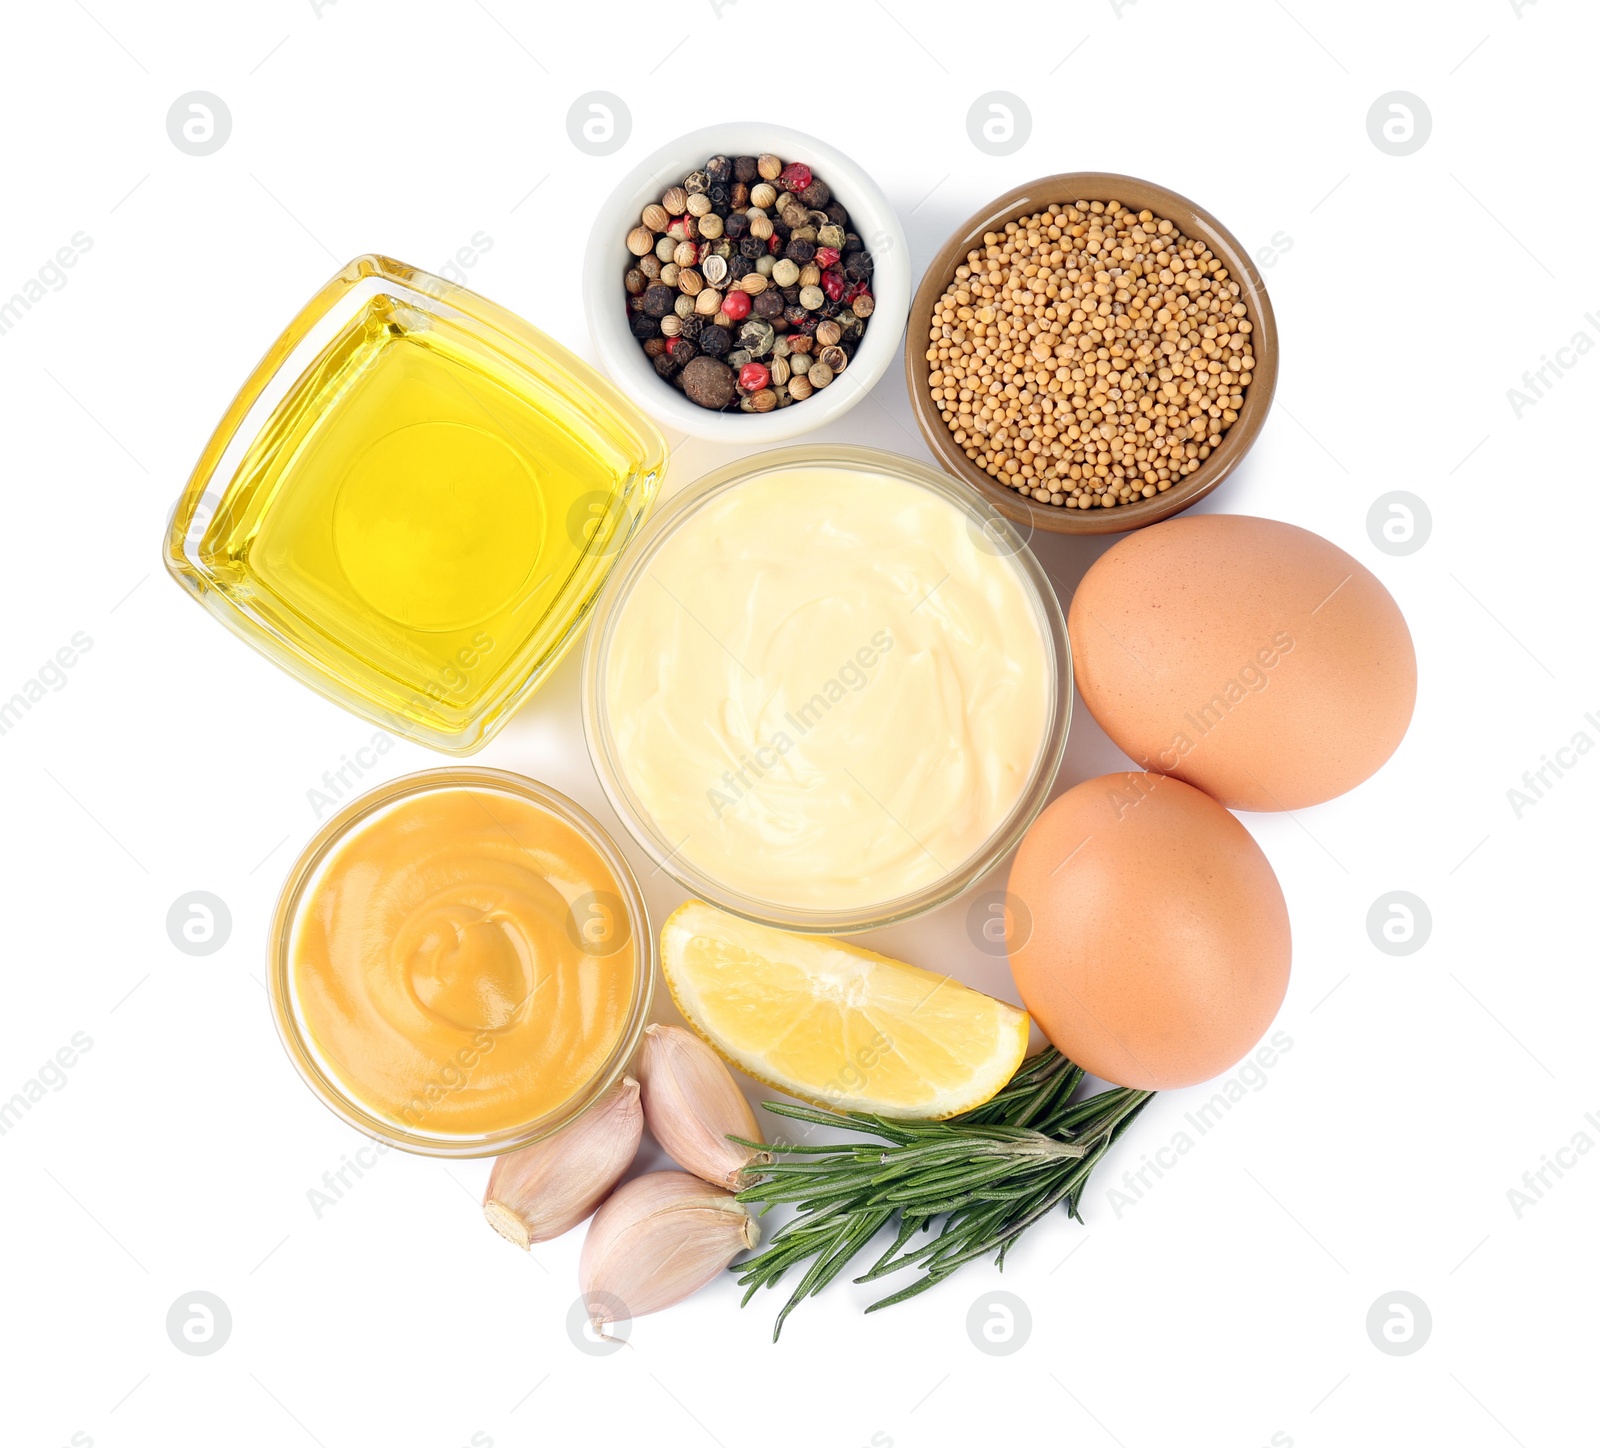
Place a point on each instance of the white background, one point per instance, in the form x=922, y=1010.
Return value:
x=1228, y=1305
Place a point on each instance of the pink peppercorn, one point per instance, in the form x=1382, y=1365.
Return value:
x=737, y=305
x=753, y=377
x=796, y=176
x=826, y=256
x=834, y=285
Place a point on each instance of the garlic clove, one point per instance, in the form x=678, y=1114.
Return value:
x=655, y=1241
x=692, y=1105
x=548, y=1188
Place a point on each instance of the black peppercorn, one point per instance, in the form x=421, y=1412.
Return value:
x=665, y=366
x=816, y=195
x=852, y=242
x=745, y=169
x=791, y=295
x=752, y=247
x=858, y=266
x=642, y=326
x=795, y=314
x=740, y=266
x=693, y=325
x=715, y=341
x=658, y=299
x=768, y=304
x=719, y=196
x=737, y=227
x=837, y=214
x=685, y=351
x=719, y=171
x=800, y=251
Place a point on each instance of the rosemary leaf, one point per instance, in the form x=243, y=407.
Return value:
x=985, y=1177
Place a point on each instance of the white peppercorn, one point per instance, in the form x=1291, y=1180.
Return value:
x=710, y=226
x=811, y=298
x=820, y=374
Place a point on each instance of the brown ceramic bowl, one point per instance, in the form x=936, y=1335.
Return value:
x=1193, y=222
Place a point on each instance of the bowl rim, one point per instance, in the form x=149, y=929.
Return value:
x=1194, y=221
x=280, y=989
x=619, y=351
x=1006, y=541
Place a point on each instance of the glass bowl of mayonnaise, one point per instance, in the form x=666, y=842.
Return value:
x=827, y=688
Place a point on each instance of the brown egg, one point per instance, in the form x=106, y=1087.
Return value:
x=1248, y=657
x=1152, y=942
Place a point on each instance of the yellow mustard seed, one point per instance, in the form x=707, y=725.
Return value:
x=1088, y=355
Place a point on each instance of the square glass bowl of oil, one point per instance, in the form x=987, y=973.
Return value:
x=413, y=502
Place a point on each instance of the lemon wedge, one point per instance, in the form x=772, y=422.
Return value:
x=837, y=1025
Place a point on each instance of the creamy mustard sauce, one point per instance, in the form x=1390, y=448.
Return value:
x=448, y=968
x=828, y=689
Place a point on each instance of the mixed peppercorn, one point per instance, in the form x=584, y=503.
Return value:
x=748, y=290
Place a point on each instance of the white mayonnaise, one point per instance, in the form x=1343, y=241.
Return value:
x=826, y=690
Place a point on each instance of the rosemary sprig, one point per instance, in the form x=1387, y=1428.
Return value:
x=990, y=1174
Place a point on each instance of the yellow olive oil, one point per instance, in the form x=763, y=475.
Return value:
x=419, y=526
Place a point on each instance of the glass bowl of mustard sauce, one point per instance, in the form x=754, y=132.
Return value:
x=460, y=962
x=413, y=502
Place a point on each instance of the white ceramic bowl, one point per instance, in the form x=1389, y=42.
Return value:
x=604, y=301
